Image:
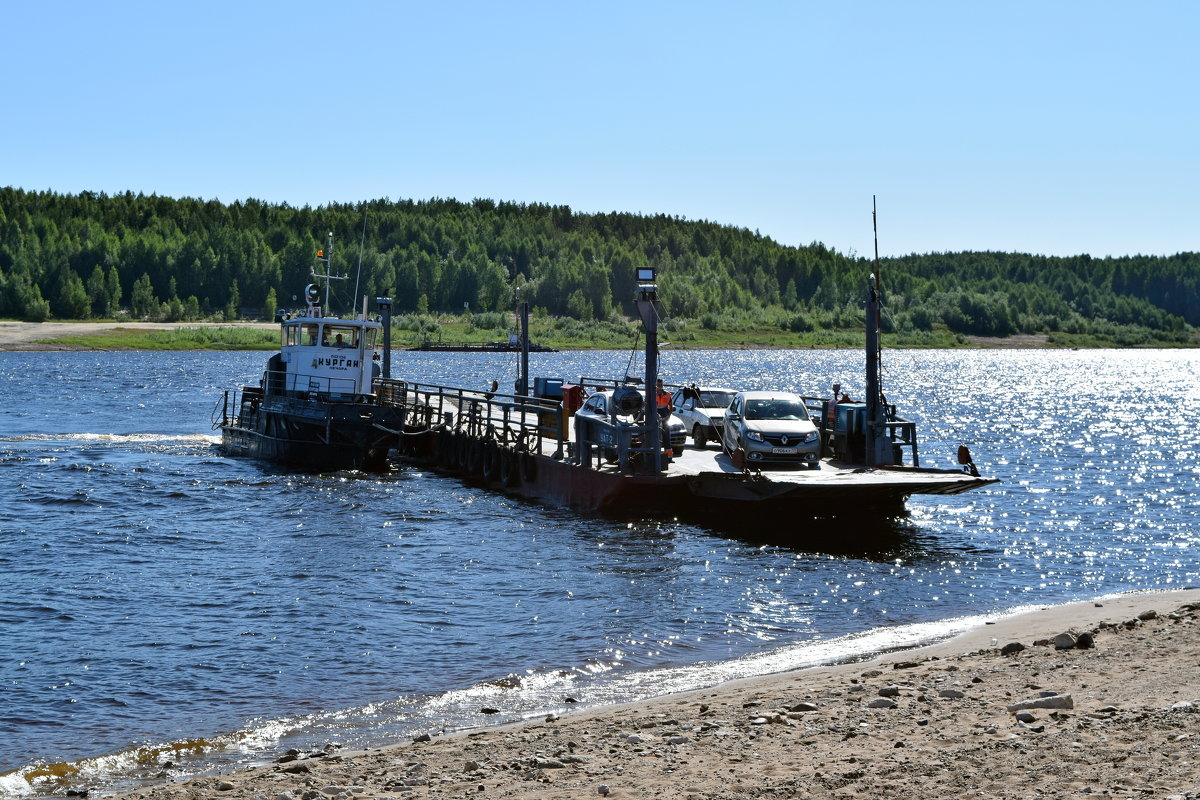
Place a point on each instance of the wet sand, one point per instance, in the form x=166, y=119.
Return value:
x=1118, y=718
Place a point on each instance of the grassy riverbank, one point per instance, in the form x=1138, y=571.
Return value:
x=557, y=332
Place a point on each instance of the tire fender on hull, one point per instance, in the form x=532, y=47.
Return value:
x=529, y=467
x=490, y=462
x=510, y=471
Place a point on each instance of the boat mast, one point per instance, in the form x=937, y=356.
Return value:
x=385, y=310
x=326, y=256
x=647, y=298
x=522, y=386
x=878, y=445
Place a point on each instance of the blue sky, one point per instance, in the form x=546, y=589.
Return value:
x=1045, y=127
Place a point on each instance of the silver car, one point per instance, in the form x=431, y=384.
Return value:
x=771, y=428
x=702, y=411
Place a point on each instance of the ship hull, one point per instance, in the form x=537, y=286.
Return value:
x=698, y=485
x=313, y=436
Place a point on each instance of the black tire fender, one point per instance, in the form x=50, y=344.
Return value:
x=529, y=467
x=490, y=462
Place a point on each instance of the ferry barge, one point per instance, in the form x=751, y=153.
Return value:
x=534, y=446
x=325, y=405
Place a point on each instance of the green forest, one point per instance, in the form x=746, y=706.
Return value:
x=133, y=256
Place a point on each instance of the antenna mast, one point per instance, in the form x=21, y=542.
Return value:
x=326, y=256
x=361, y=245
x=878, y=444
x=879, y=289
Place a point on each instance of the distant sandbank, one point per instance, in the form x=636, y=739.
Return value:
x=17, y=336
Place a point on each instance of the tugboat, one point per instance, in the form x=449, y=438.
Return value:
x=315, y=407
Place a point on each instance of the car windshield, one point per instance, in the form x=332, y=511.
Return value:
x=776, y=409
x=715, y=399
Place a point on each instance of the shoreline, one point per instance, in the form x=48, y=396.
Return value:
x=17, y=337
x=21, y=337
x=932, y=719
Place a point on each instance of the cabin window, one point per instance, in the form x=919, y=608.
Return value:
x=340, y=336
x=309, y=335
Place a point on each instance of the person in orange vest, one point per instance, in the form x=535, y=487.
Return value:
x=831, y=406
x=662, y=402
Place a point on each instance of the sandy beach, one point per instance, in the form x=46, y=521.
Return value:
x=1014, y=709
x=23, y=336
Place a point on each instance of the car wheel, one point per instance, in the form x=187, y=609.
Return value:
x=698, y=436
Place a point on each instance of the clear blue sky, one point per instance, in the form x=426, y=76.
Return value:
x=1045, y=127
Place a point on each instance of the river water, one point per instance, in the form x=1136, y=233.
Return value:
x=162, y=603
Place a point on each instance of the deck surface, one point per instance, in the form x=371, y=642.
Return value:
x=705, y=472
x=693, y=461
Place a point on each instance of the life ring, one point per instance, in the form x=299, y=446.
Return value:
x=529, y=467
x=490, y=461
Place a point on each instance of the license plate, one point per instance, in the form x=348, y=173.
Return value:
x=783, y=451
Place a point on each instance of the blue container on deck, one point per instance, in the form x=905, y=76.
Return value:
x=549, y=388
x=851, y=418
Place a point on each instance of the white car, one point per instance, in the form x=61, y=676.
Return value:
x=702, y=411
x=771, y=428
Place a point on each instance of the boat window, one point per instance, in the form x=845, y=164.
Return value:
x=370, y=335
x=340, y=336
x=309, y=335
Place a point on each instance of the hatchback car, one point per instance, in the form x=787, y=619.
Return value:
x=702, y=411
x=771, y=429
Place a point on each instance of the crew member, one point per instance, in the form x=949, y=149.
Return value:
x=662, y=402
x=831, y=406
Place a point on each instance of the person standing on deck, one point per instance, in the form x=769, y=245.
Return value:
x=662, y=403
x=831, y=406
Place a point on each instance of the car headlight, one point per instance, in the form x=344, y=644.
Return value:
x=755, y=436
x=811, y=437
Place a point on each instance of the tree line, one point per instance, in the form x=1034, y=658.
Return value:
x=92, y=255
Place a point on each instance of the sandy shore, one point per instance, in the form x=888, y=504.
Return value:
x=935, y=722
x=17, y=336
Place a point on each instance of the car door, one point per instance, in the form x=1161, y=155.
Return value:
x=592, y=413
x=684, y=409
x=732, y=418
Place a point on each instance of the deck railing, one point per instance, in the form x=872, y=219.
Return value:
x=513, y=421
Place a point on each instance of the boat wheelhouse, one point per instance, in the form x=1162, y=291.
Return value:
x=315, y=406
